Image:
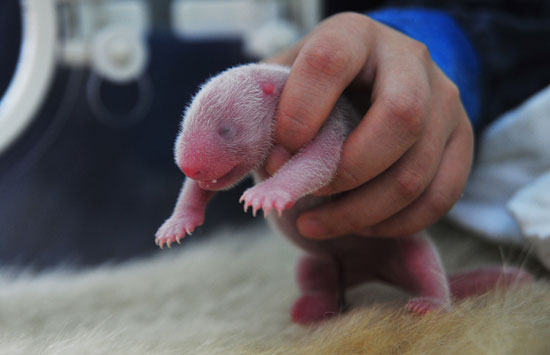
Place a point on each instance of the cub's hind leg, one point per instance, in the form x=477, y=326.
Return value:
x=416, y=267
x=320, y=283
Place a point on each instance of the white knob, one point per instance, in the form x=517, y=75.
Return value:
x=119, y=53
x=270, y=38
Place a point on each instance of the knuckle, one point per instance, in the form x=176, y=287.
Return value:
x=291, y=120
x=409, y=184
x=421, y=51
x=347, y=179
x=453, y=92
x=407, y=111
x=439, y=203
x=295, y=116
x=328, y=57
x=450, y=93
x=442, y=198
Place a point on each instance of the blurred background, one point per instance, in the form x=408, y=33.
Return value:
x=91, y=95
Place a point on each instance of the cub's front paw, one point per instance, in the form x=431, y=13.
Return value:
x=174, y=229
x=267, y=198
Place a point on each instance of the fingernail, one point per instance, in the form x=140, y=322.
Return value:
x=311, y=227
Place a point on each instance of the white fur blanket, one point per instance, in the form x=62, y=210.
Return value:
x=507, y=198
x=231, y=295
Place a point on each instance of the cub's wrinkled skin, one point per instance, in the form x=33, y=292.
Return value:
x=227, y=133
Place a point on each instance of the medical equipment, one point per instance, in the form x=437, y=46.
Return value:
x=106, y=36
x=109, y=37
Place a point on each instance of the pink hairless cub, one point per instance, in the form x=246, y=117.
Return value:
x=227, y=133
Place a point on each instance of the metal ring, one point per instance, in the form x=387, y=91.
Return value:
x=34, y=71
x=109, y=118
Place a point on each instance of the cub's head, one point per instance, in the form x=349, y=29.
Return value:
x=227, y=130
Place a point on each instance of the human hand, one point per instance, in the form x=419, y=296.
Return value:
x=406, y=163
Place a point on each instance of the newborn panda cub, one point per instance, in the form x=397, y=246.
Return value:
x=228, y=132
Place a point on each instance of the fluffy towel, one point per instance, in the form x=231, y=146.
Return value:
x=507, y=198
x=231, y=294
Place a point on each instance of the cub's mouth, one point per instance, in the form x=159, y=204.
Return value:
x=225, y=181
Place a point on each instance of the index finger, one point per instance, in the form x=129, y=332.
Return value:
x=326, y=64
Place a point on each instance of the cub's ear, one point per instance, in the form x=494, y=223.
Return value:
x=267, y=88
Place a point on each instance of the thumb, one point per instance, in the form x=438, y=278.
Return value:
x=324, y=67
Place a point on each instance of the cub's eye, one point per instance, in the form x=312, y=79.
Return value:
x=226, y=132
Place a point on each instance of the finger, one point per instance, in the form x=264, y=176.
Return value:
x=383, y=196
x=288, y=56
x=279, y=155
x=395, y=121
x=328, y=61
x=439, y=197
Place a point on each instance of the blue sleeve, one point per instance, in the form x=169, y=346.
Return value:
x=449, y=48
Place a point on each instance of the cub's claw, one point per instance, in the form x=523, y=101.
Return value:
x=266, y=198
x=173, y=230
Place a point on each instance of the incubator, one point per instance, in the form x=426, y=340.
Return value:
x=108, y=36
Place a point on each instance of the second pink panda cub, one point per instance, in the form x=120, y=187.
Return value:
x=228, y=132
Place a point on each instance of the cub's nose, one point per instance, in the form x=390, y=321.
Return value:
x=194, y=172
